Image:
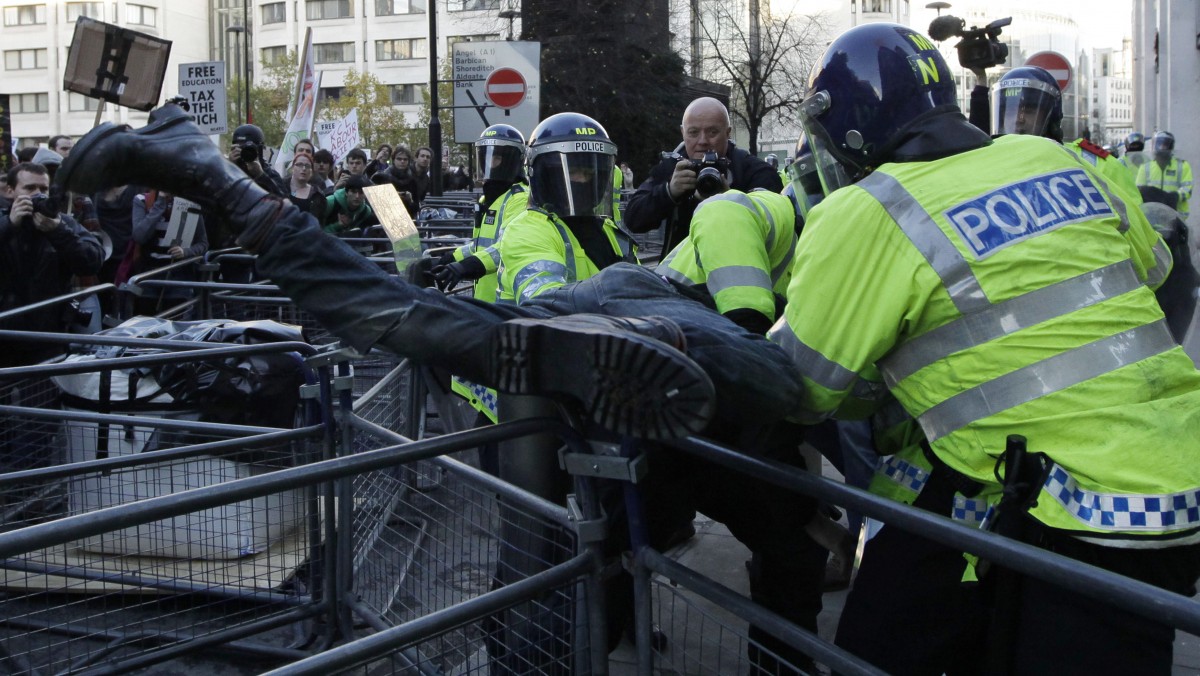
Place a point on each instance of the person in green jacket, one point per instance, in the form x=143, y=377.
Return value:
x=347, y=208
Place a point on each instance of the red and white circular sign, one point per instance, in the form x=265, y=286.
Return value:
x=1054, y=63
x=505, y=88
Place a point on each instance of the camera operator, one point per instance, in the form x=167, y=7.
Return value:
x=40, y=250
x=246, y=151
x=978, y=50
x=669, y=195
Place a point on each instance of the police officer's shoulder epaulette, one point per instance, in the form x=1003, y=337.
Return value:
x=1094, y=149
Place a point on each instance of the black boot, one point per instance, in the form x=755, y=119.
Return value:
x=630, y=375
x=171, y=154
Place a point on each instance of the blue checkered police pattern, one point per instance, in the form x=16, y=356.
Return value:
x=1111, y=511
x=968, y=510
x=486, y=396
x=904, y=473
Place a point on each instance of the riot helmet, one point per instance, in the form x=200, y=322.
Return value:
x=1027, y=100
x=873, y=82
x=773, y=161
x=499, y=153
x=570, y=164
x=1164, y=145
x=1135, y=142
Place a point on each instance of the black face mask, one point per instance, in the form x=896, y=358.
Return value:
x=589, y=230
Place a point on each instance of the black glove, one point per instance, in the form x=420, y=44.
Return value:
x=449, y=276
x=420, y=273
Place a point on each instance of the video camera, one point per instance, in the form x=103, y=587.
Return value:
x=710, y=171
x=979, y=47
x=249, y=151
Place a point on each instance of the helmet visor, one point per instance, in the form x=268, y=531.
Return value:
x=573, y=184
x=498, y=162
x=805, y=184
x=1022, y=106
x=830, y=169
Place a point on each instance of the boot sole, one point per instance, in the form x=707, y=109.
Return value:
x=629, y=384
x=93, y=138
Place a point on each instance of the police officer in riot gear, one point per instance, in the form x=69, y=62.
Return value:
x=567, y=233
x=953, y=232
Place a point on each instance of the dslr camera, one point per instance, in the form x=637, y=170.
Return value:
x=249, y=151
x=710, y=171
x=46, y=205
x=979, y=47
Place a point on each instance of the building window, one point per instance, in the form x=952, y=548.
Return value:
x=92, y=10
x=141, y=15
x=25, y=59
x=25, y=15
x=330, y=93
x=396, y=50
x=273, y=55
x=30, y=103
x=328, y=9
x=465, y=5
x=877, y=6
x=403, y=94
x=395, y=7
x=78, y=103
x=334, y=52
x=274, y=12
x=484, y=37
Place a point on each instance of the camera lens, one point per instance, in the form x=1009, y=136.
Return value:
x=709, y=182
x=249, y=152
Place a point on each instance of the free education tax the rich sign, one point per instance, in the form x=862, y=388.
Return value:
x=494, y=83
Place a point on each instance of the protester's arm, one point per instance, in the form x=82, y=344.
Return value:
x=79, y=250
x=651, y=203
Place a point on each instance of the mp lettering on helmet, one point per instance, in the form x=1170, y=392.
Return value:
x=585, y=130
x=1019, y=211
x=924, y=64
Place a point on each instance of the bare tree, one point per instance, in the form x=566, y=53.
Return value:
x=763, y=58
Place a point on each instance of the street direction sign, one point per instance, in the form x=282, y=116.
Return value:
x=495, y=82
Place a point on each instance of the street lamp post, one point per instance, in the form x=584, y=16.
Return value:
x=237, y=31
x=246, y=57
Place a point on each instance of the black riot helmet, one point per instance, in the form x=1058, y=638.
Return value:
x=1027, y=100
x=499, y=153
x=570, y=164
x=1135, y=142
x=874, y=81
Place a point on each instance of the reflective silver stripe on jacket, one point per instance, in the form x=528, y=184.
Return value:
x=572, y=272
x=1045, y=377
x=1008, y=317
x=811, y=364
x=1124, y=511
x=754, y=207
x=928, y=238
x=672, y=273
x=536, y=275
x=737, y=275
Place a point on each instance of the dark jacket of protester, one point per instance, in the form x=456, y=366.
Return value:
x=37, y=265
x=652, y=205
x=404, y=182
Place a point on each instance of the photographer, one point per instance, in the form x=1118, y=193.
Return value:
x=668, y=196
x=246, y=151
x=40, y=250
x=978, y=50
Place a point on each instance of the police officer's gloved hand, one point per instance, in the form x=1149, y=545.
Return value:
x=420, y=273
x=448, y=276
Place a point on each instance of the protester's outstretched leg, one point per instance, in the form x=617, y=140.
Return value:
x=623, y=373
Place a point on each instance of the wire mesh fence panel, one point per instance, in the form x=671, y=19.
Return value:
x=117, y=598
x=451, y=542
x=270, y=303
